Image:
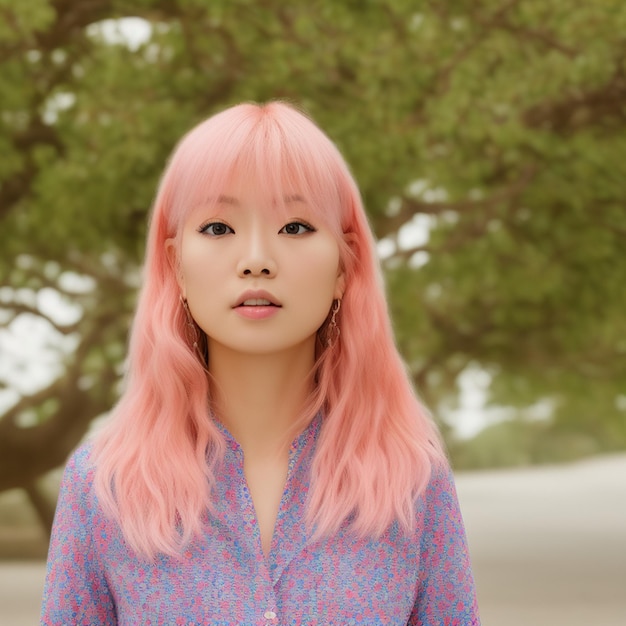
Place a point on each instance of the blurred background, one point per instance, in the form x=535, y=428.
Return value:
x=488, y=139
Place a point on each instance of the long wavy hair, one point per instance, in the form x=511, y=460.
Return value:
x=157, y=459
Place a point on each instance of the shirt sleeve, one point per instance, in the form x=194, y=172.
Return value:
x=446, y=593
x=76, y=590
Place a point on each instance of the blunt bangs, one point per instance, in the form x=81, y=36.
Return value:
x=278, y=148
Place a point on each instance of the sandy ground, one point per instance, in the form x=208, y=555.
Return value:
x=548, y=546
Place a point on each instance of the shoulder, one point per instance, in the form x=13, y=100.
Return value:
x=79, y=465
x=439, y=500
x=441, y=480
x=78, y=477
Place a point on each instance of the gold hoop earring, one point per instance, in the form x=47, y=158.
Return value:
x=333, y=331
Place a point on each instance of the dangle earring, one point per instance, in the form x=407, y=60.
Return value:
x=193, y=334
x=333, y=331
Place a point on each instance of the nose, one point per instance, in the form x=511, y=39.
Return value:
x=257, y=259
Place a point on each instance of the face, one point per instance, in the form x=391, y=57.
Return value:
x=255, y=281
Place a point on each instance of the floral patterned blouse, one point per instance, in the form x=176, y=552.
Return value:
x=224, y=578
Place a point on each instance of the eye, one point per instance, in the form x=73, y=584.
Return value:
x=297, y=228
x=216, y=229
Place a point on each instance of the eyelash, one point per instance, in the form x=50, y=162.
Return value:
x=204, y=228
x=308, y=228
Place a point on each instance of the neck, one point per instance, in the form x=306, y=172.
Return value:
x=260, y=397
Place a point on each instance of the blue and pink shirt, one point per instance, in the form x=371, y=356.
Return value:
x=223, y=577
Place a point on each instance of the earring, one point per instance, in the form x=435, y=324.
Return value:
x=193, y=334
x=333, y=331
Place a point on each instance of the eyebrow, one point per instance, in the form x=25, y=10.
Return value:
x=294, y=198
x=227, y=200
x=234, y=202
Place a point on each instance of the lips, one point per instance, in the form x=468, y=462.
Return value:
x=256, y=298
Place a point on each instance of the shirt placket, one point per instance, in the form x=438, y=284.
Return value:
x=265, y=604
x=270, y=617
x=290, y=535
x=268, y=572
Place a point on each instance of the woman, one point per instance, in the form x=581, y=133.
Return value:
x=268, y=462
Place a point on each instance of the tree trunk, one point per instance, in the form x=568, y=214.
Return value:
x=42, y=505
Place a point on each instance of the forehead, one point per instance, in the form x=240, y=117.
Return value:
x=283, y=201
x=273, y=174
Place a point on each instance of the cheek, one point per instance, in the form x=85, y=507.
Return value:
x=320, y=270
x=197, y=265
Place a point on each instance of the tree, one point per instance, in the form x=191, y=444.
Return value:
x=497, y=123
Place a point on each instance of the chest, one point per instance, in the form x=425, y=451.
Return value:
x=266, y=484
x=219, y=581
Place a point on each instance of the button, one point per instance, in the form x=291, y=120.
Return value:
x=269, y=615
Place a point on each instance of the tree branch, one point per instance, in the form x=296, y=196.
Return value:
x=579, y=110
x=486, y=24
x=26, y=453
x=19, y=308
x=544, y=37
x=412, y=206
x=456, y=241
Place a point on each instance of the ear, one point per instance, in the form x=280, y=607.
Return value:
x=340, y=284
x=173, y=258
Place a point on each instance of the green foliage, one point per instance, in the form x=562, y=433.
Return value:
x=509, y=115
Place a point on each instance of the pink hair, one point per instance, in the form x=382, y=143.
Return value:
x=157, y=459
